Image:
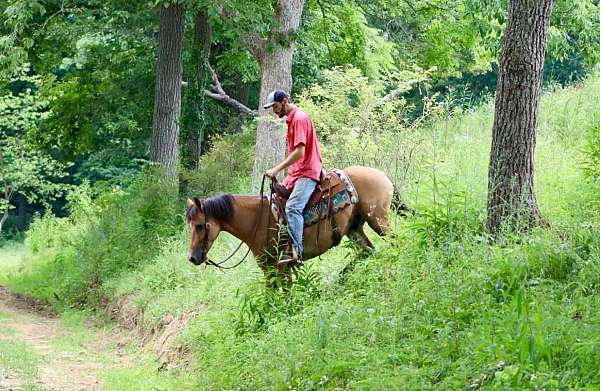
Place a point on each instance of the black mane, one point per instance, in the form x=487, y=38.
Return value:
x=219, y=207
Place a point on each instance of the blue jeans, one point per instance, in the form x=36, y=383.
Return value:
x=303, y=188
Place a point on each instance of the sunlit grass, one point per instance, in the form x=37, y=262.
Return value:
x=145, y=375
x=12, y=260
x=432, y=309
x=20, y=357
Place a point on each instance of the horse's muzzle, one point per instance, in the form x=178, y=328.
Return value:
x=197, y=257
x=195, y=261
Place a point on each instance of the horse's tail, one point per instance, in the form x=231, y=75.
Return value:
x=399, y=206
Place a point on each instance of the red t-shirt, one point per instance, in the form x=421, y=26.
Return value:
x=301, y=132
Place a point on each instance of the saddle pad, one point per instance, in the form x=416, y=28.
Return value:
x=339, y=201
x=311, y=214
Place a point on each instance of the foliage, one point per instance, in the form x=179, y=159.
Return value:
x=338, y=34
x=464, y=36
x=432, y=308
x=356, y=124
x=23, y=169
x=591, y=150
x=257, y=312
x=226, y=167
x=101, y=239
x=450, y=217
x=100, y=58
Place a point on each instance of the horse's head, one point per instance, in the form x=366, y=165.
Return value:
x=205, y=218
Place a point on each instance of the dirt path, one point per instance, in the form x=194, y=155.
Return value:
x=38, y=352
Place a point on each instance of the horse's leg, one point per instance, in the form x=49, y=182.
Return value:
x=359, y=237
x=378, y=219
x=271, y=270
x=270, y=273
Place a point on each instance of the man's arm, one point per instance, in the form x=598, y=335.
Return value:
x=292, y=158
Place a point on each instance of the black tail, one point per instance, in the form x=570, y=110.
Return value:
x=399, y=206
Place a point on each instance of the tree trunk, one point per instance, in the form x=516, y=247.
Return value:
x=270, y=148
x=3, y=219
x=201, y=52
x=6, y=192
x=21, y=212
x=167, y=100
x=511, y=197
x=276, y=72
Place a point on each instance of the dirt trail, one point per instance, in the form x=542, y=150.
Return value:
x=22, y=321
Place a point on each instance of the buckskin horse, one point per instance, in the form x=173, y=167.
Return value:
x=250, y=219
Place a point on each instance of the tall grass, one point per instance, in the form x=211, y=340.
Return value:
x=434, y=308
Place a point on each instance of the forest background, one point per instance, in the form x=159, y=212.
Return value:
x=404, y=86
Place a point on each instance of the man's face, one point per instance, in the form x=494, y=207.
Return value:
x=279, y=108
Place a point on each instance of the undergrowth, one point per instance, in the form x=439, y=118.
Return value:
x=438, y=306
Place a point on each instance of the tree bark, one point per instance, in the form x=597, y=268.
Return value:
x=511, y=196
x=167, y=101
x=7, y=192
x=201, y=51
x=3, y=219
x=274, y=56
x=270, y=147
x=21, y=212
x=276, y=73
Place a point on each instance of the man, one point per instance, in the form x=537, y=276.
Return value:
x=304, y=162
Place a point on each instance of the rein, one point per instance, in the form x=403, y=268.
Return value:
x=219, y=264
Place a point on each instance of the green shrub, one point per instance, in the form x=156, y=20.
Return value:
x=357, y=126
x=591, y=151
x=227, y=167
x=101, y=239
x=450, y=216
x=258, y=311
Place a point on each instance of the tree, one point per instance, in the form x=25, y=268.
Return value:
x=200, y=52
x=273, y=51
x=511, y=196
x=274, y=55
x=164, y=146
x=25, y=173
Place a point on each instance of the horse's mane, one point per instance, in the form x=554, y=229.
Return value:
x=220, y=207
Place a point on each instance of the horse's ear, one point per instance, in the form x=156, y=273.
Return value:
x=198, y=203
x=189, y=202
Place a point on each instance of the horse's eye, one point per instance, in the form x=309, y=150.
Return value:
x=199, y=226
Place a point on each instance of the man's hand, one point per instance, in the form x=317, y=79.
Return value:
x=291, y=159
x=272, y=173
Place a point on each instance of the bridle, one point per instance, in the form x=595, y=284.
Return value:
x=205, y=241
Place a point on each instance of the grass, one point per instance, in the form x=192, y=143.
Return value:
x=145, y=375
x=13, y=260
x=433, y=309
x=20, y=359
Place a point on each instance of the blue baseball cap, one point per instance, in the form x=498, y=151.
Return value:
x=275, y=96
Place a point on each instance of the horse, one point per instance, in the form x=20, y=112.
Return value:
x=249, y=219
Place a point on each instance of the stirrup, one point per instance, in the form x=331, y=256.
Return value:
x=294, y=259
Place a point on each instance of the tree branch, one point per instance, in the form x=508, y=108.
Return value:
x=402, y=87
x=217, y=93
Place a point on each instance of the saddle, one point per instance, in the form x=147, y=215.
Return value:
x=330, y=184
x=333, y=192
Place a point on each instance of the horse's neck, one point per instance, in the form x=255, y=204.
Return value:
x=250, y=220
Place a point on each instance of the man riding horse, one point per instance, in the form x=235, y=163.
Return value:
x=346, y=200
x=303, y=163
